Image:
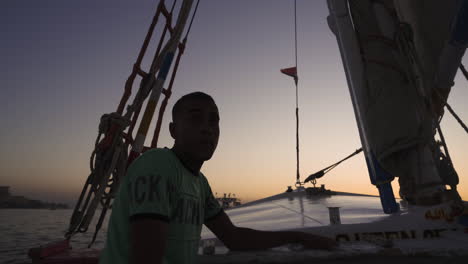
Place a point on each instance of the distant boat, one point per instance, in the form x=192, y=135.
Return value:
x=228, y=201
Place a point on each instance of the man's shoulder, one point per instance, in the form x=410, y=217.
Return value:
x=157, y=153
x=154, y=159
x=204, y=181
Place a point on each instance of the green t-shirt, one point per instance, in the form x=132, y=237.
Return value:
x=158, y=185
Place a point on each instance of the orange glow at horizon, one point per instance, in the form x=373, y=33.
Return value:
x=52, y=116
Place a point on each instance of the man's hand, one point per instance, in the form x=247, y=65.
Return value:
x=311, y=241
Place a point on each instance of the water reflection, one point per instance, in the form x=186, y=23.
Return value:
x=22, y=229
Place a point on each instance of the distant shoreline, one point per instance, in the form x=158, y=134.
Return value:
x=19, y=208
x=8, y=201
x=20, y=202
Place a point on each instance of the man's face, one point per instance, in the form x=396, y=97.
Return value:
x=196, y=128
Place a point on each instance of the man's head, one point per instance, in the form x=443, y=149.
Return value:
x=195, y=125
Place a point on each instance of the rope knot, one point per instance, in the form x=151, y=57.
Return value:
x=107, y=120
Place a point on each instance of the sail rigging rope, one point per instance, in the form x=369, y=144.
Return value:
x=465, y=73
x=313, y=177
x=191, y=20
x=450, y=109
x=168, y=92
x=462, y=124
x=460, y=121
x=406, y=45
x=109, y=159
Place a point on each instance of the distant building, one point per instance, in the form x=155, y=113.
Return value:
x=4, y=193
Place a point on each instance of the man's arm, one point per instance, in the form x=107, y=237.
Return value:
x=147, y=240
x=238, y=238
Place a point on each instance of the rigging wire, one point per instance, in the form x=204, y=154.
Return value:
x=298, y=177
x=462, y=68
x=465, y=73
x=295, y=29
x=191, y=20
x=450, y=109
x=292, y=72
x=322, y=172
x=456, y=117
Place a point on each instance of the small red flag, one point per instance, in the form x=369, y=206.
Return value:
x=290, y=72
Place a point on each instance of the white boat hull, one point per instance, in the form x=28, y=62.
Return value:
x=440, y=230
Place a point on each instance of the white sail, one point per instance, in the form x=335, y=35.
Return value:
x=401, y=47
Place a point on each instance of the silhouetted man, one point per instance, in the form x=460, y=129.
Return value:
x=164, y=199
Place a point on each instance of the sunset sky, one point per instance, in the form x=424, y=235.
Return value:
x=64, y=64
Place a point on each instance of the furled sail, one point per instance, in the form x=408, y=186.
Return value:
x=410, y=51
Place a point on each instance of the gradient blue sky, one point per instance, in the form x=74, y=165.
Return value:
x=64, y=64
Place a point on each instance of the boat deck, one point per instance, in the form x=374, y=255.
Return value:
x=364, y=229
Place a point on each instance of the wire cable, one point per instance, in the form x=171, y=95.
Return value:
x=298, y=177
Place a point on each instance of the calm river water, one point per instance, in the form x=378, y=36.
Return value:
x=22, y=229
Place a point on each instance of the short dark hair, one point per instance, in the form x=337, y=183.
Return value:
x=178, y=106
